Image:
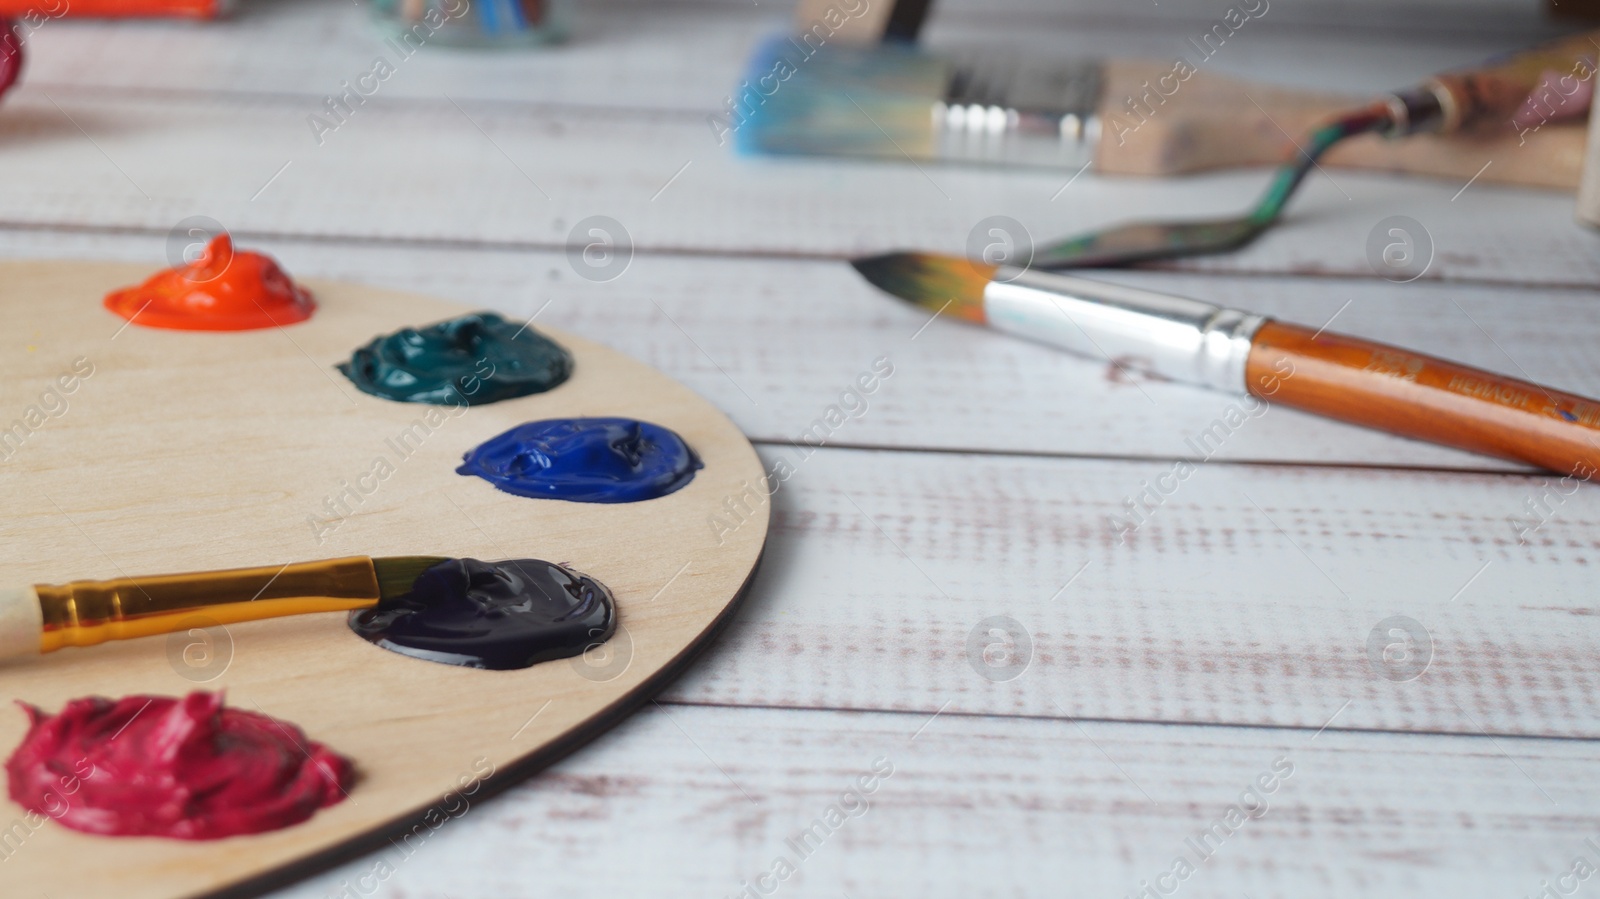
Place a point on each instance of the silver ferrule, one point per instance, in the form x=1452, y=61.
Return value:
x=1003, y=110
x=1173, y=337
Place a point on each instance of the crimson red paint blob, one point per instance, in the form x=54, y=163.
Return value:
x=182, y=768
x=223, y=290
x=10, y=54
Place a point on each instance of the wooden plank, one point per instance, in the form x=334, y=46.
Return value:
x=1004, y=807
x=688, y=56
x=1427, y=16
x=1247, y=595
x=1207, y=614
x=775, y=343
x=258, y=162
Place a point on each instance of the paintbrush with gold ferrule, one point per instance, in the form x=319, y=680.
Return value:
x=46, y=617
x=1346, y=378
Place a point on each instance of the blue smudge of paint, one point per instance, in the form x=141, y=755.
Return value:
x=1567, y=415
x=586, y=460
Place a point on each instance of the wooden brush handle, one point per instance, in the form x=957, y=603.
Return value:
x=21, y=622
x=47, y=617
x=1413, y=395
x=1210, y=122
x=1487, y=96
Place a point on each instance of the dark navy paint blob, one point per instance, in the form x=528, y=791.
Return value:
x=498, y=615
x=586, y=460
x=474, y=359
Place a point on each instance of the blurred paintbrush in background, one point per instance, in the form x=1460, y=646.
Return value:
x=806, y=96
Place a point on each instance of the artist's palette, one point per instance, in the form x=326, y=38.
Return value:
x=189, y=451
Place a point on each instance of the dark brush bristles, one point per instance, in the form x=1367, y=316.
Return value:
x=396, y=574
x=949, y=285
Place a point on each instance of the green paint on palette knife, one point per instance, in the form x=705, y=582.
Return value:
x=1149, y=241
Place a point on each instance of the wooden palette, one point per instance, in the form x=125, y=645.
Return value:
x=186, y=451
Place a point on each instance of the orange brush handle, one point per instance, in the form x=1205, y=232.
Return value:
x=1418, y=396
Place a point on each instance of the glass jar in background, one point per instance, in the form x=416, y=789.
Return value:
x=475, y=23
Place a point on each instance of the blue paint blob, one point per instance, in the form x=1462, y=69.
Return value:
x=586, y=460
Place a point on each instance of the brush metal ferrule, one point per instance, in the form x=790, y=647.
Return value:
x=1429, y=108
x=83, y=613
x=1172, y=337
x=1028, y=112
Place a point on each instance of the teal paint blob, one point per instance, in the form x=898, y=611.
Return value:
x=475, y=359
x=586, y=460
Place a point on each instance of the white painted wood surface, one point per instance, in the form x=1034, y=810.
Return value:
x=982, y=806
x=1172, y=670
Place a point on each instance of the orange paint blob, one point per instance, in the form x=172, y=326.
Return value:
x=223, y=290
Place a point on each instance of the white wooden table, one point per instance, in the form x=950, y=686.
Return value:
x=1165, y=673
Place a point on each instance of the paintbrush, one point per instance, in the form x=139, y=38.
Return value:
x=1334, y=375
x=46, y=617
x=803, y=95
x=898, y=103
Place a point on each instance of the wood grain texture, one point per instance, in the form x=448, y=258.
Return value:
x=675, y=190
x=776, y=342
x=1213, y=121
x=629, y=56
x=1208, y=614
x=1245, y=595
x=185, y=451
x=228, y=110
x=1197, y=131
x=1003, y=807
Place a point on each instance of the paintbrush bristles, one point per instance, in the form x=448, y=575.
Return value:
x=948, y=285
x=802, y=98
x=396, y=574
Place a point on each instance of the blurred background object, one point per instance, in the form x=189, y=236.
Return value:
x=861, y=22
x=1144, y=117
x=476, y=23
x=10, y=55
x=1589, y=189
x=114, y=9
x=1575, y=10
